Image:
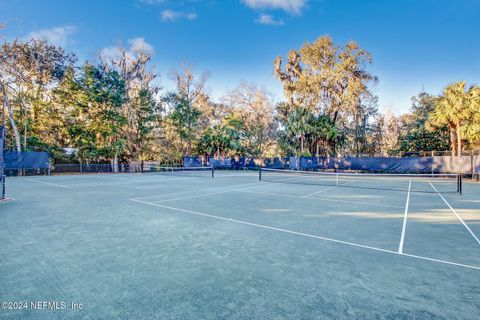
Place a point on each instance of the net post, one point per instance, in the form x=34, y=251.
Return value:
x=213, y=172
x=2, y=196
x=260, y=174
x=459, y=184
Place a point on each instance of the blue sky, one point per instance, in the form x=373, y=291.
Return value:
x=415, y=44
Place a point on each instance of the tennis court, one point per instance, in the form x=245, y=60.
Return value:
x=171, y=245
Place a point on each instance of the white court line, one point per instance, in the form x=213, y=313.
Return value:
x=456, y=214
x=402, y=237
x=193, y=191
x=306, y=235
x=323, y=199
x=322, y=190
x=49, y=183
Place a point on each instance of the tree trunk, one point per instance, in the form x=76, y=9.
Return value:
x=335, y=115
x=453, y=139
x=317, y=149
x=10, y=117
x=301, y=143
x=459, y=138
x=115, y=163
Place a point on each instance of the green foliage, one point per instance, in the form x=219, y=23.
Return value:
x=92, y=110
x=424, y=140
x=184, y=118
x=29, y=69
x=315, y=133
x=224, y=139
x=420, y=134
x=455, y=108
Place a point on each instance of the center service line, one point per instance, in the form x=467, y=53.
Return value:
x=402, y=238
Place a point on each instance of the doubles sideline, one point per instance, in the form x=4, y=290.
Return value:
x=455, y=213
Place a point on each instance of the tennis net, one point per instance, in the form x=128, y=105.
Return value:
x=184, y=171
x=429, y=183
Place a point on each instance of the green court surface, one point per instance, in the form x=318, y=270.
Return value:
x=160, y=246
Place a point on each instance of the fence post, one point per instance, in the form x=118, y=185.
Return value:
x=471, y=165
x=49, y=162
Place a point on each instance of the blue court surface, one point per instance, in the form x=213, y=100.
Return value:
x=186, y=246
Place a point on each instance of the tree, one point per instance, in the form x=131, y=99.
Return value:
x=145, y=123
x=256, y=111
x=452, y=108
x=184, y=115
x=184, y=119
x=299, y=124
x=223, y=139
x=472, y=125
x=391, y=134
x=29, y=70
x=417, y=134
x=322, y=131
x=141, y=110
x=93, y=102
x=326, y=79
x=357, y=128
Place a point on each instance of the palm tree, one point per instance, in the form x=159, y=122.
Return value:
x=299, y=124
x=323, y=131
x=472, y=127
x=224, y=137
x=213, y=141
x=451, y=109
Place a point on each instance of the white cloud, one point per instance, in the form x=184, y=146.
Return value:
x=58, y=35
x=290, y=6
x=110, y=53
x=135, y=44
x=268, y=19
x=170, y=15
